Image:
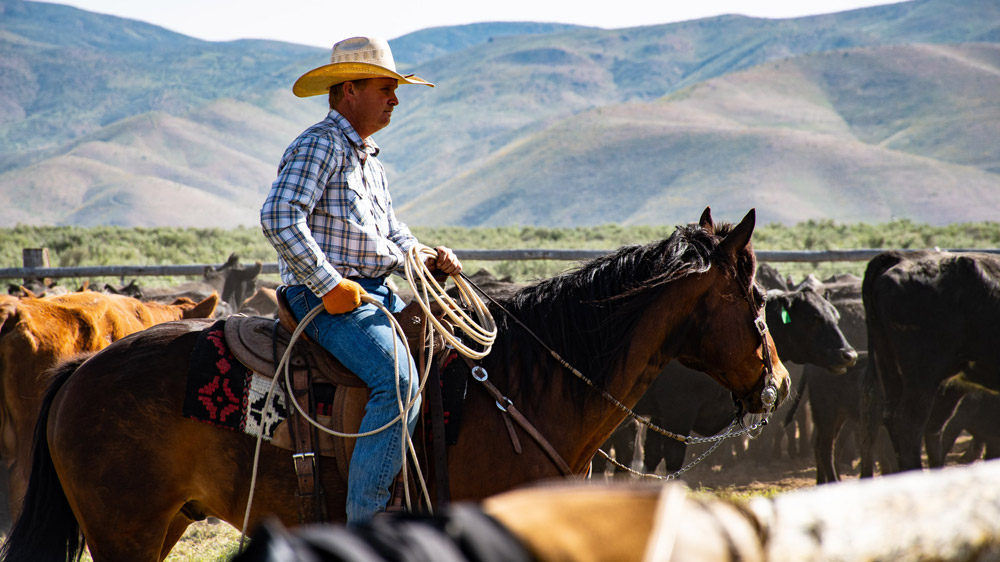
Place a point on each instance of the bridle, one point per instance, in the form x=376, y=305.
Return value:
x=769, y=392
x=768, y=397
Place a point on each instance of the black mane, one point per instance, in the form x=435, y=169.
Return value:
x=588, y=315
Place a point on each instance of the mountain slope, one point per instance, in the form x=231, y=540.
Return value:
x=494, y=92
x=92, y=105
x=210, y=167
x=810, y=137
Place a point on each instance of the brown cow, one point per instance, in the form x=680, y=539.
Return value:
x=263, y=302
x=37, y=333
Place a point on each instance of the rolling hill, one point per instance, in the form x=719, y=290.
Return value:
x=856, y=135
x=868, y=115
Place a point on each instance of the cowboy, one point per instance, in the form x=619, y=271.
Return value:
x=330, y=218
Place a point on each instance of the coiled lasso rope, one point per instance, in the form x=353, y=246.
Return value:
x=481, y=330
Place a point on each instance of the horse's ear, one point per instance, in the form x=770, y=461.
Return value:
x=739, y=238
x=706, y=220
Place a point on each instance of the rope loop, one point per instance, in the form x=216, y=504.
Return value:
x=481, y=330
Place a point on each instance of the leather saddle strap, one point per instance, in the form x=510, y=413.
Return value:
x=301, y=431
x=514, y=441
x=441, y=477
x=508, y=407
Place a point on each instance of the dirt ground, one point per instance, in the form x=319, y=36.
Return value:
x=751, y=472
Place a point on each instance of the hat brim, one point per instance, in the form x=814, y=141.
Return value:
x=318, y=80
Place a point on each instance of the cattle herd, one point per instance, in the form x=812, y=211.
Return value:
x=891, y=371
x=921, y=371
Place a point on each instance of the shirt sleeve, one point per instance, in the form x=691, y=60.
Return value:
x=302, y=177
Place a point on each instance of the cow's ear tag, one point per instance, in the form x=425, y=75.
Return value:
x=785, y=317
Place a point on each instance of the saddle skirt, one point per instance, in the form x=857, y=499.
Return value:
x=251, y=341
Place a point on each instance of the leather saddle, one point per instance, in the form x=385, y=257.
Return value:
x=252, y=341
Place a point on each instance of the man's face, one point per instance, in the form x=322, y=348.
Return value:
x=370, y=104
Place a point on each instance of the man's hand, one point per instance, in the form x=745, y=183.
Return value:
x=345, y=297
x=446, y=262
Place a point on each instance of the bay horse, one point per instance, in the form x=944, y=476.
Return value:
x=116, y=461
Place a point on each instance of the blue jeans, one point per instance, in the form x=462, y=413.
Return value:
x=363, y=341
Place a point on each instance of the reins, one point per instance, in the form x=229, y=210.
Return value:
x=769, y=394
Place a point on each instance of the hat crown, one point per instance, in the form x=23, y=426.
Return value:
x=368, y=50
x=357, y=58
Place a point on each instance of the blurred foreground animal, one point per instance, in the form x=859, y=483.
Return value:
x=911, y=517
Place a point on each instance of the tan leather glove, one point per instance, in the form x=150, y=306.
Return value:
x=345, y=297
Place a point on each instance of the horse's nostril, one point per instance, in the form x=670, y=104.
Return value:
x=850, y=355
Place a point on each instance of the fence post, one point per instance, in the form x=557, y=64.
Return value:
x=35, y=257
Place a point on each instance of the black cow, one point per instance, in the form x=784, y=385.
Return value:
x=771, y=278
x=931, y=316
x=804, y=327
x=685, y=402
x=979, y=415
x=835, y=402
x=835, y=399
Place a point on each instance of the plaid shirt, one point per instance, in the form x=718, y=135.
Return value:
x=329, y=214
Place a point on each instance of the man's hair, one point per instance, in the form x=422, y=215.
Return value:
x=336, y=94
x=337, y=90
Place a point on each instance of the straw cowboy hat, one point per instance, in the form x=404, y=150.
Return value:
x=356, y=58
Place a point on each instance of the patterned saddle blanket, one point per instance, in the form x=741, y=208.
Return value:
x=224, y=392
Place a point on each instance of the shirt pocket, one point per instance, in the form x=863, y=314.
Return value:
x=347, y=203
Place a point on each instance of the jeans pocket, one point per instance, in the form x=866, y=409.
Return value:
x=299, y=301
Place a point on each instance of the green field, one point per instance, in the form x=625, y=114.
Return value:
x=76, y=246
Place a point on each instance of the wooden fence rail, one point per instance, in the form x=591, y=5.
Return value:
x=196, y=270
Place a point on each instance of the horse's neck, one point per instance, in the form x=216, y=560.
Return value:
x=655, y=341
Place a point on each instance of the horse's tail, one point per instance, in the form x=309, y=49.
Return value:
x=46, y=529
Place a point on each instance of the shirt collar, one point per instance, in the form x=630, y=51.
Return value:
x=367, y=145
